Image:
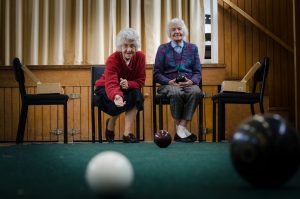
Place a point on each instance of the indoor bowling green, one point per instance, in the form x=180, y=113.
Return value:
x=178, y=171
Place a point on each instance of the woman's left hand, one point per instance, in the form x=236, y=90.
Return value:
x=188, y=82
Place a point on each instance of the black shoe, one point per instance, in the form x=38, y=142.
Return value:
x=130, y=138
x=109, y=135
x=186, y=140
x=193, y=137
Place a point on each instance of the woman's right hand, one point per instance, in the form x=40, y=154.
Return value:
x=119, y=101
x=172, y=82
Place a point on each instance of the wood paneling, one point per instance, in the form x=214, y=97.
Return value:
x=42, y=119
x=241, y=44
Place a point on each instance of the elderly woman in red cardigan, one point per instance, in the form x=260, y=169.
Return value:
x=119, y=88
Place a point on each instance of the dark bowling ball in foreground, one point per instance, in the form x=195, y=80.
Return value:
x=265, y=151
x=162, y=138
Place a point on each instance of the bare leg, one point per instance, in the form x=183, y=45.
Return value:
x=183, y=123
x=112, y=122
x=129, y=119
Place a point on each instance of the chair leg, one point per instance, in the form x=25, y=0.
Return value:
x=93, y=124
x=99, y=125
x=222, y=132
x=65, y=122
x=154, y=117
x=200, y=122
x=252, y=109
x=261, y=106
x=214, y=122
x=22, y=123
x=137, y=128
x=160, y=115
x=221, y=120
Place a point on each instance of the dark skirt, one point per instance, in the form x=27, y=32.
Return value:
x=133, y=98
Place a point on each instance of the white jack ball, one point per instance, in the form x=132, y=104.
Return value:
x=109, y=173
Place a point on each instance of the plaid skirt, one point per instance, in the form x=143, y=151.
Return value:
x=133, y=98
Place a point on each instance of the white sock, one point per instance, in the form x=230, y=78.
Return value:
x=187, y=133
x=181, y=132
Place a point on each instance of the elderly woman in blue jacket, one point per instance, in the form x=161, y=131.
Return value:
x=177, y=68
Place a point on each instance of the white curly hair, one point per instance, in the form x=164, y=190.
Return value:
x=128, y=34
x=179, y=23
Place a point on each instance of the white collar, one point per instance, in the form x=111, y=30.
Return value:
x=174, y=44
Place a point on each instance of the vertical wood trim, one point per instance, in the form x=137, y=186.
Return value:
x=221, y=31
x=15, y=112
x=248, y=37
x=148, y=127
x=2, y=114
x=54, y=119
x=38, y=121
x=30, y=127
x=76, y=114
x=8, y=114
x=70, y=111
x=85, y=113
x=241, y=42
x=227, y=42
x=46, y=122
x=296, y=16
x=235, y=43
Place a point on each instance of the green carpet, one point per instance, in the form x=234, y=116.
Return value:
x=180, y=171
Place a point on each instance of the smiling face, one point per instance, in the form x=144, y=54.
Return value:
x=128, y=50
x=176, y=34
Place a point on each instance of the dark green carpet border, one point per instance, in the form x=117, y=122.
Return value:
x=180, y=171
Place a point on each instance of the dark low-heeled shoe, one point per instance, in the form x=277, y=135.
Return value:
x=193, y=137
x=130, y=138
x=109, y=135
x=186, y=139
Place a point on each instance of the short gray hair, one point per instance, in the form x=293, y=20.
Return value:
x=179, y=23
x=128, y=34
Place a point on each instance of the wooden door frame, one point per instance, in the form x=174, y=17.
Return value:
x=296, y=20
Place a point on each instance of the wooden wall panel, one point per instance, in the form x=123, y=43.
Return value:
x=42, y=121
x=30, y=123
x=8, y=134
x=76, y=113
x=15, y=102
x=241, y=41
x=242, y=44
x=53, y=122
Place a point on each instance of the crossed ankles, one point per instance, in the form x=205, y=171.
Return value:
x=183, y=135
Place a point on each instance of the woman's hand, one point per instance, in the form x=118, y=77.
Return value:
x=123, y=83
x=187, y=83
x=172, y=82
x=119, y=101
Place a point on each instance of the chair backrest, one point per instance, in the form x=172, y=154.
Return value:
x=260, y=77
x=96, y=72
x=19, y=75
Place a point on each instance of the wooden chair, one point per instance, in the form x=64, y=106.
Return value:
x=223, y=98
x=96, y=72
x=36, y=99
